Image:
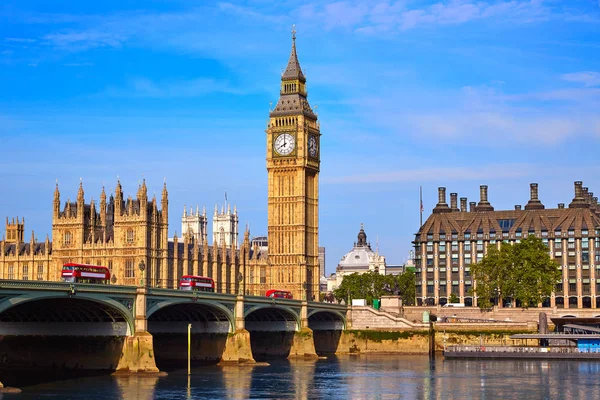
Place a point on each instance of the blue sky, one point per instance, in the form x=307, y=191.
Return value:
x=433, y=93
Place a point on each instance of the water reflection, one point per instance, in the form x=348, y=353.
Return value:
x=136, y=387
x=347, y=377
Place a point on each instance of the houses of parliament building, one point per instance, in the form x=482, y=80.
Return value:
x=131, y=235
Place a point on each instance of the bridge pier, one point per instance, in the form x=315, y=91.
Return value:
x=138, y=350
x=238, y=348
x=303, y=344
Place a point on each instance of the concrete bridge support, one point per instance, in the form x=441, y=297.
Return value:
x=238, y=348
x=303, y=344
x=138, y=350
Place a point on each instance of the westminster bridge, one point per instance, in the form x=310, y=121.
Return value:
x=133, y=329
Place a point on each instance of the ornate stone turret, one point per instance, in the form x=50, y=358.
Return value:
x=143, y=198
x=165, y=204
x=103, y=208
x=56, y=201
x=80, y=201
x=118, y=199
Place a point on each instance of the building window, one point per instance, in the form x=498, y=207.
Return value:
x=129, y=269
x=584, y=232
x=557, y=233
x=67, y=238
x=25, y=272
x=110, y=265
x=467, y=246
x=442, y=236
x=40, y=272
x=130, y=236
x=571, y=232
x=467, y=235
x=544, y=233
x=442, y=248
x=557, y=244
x=571, y=244
x=11, y=272
x=506, y=224
x=454, y=235
x=585, y=244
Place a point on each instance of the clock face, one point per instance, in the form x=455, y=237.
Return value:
x=284, y=144
x=313, y=148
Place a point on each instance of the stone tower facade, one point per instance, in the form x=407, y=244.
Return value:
x=293, y=162
x=194, y=224
x=225, y=227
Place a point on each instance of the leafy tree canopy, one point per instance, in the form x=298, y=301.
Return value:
x=372, y=285
x=522, y=271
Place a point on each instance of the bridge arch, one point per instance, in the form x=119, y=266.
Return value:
x=205, y=317
x=326, y=320
x=271, y=318
x=55, y=314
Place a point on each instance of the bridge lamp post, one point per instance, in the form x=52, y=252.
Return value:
x=142, y=268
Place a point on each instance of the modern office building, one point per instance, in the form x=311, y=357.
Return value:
x=454, y=237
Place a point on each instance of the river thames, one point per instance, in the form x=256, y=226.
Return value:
x=348, y=377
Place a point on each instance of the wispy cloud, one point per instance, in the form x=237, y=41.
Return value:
x=387, y=16
x=142, y=87
x=442, y=173
x=84, y=40
x=19, y=40
x=588, y=78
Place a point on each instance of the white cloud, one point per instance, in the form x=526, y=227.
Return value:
x=142, y=87
x=588, y=78
x=442, y=173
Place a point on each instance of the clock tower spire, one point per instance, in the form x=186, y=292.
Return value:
x=293, y=163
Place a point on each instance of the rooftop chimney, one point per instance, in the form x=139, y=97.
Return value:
x=518, y=207
x=579, y=200
x=484, y=204
x=453, y=201
x=472, y=206
x=534, y=203
x=441, y=206
x=463, y=204
x=561, y=205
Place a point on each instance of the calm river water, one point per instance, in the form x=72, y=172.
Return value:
x=360, y=377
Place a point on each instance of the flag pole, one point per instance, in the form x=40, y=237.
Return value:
x=420, y=206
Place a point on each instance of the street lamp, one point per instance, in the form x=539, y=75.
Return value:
x=142, y=268
x=113, y=279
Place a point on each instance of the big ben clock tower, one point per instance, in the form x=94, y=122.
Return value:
x=293, y=159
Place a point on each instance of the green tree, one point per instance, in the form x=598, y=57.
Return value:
x=453, y=298
x=372, y=285
x=522, y=271
x=406, y=287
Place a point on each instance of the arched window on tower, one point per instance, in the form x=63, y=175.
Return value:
x=67, y=238
x=130, y=236
x=222, y=236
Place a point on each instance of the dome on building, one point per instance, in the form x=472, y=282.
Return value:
x=359, y=260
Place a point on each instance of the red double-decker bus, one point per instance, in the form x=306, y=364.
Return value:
x=85, y=273
x=280, y=294
x=193, y=282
